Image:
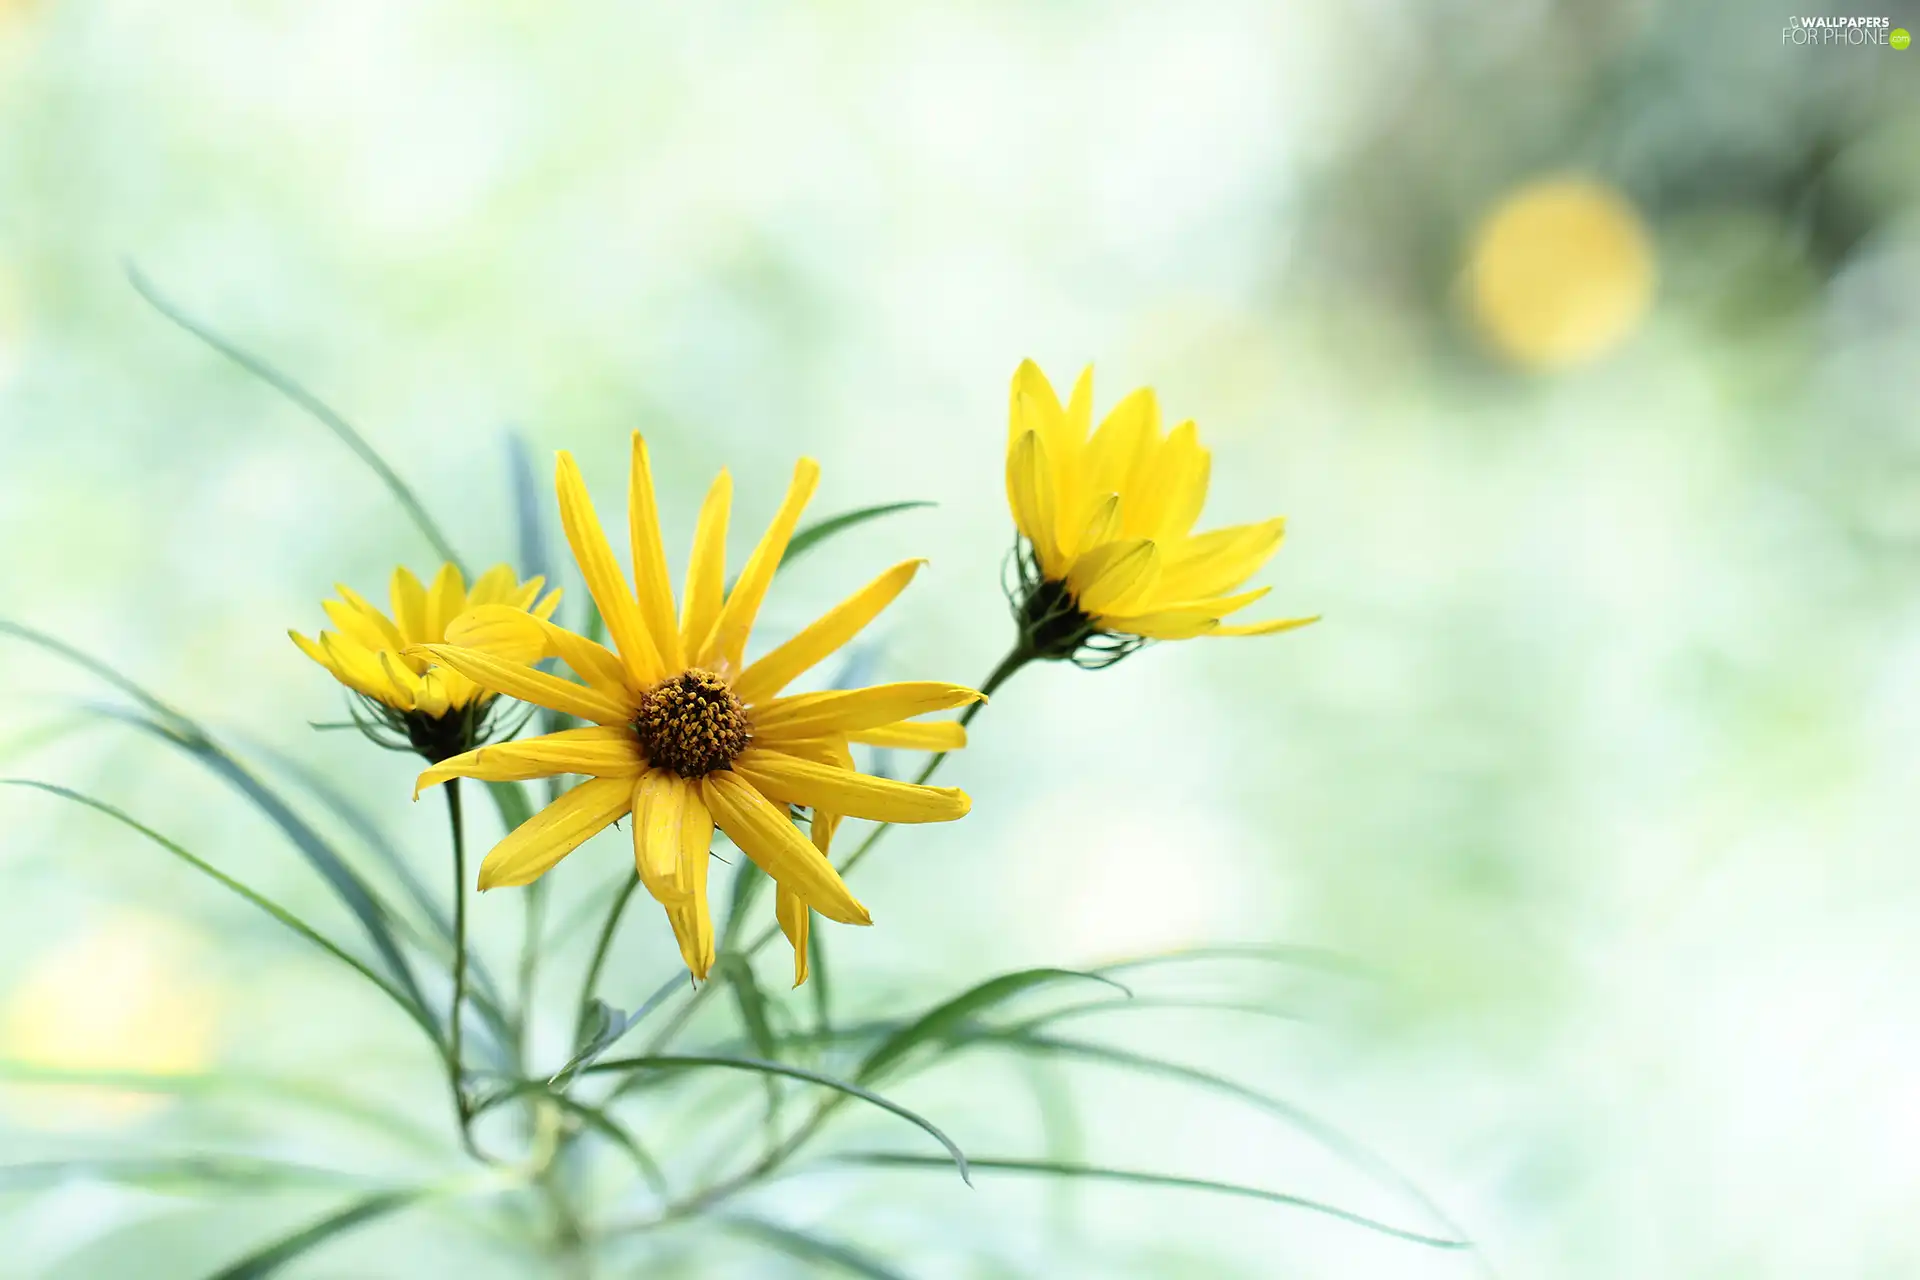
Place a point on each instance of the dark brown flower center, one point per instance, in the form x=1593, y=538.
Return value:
x=691, y=724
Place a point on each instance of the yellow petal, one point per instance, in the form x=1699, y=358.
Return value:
x=1129, y=433
x=358, y=627
x=529, y=685
x=1109, y=574
x=389, y=633
x=1030, y=491
x=659, y=814
x=743, y=606
x=605, y=582
x=766, y=835
x=523, y=596
x=1264, y=628
x=492, y=587
x=786, y=778
x=546, y=606
x=1218, y=561
x=1044, y=407
x=912, y=735
x=509, y=633
x=313, y=649
x=1102, y=527
x=838, y=625
x=446, y=601
x=602, y=751
x=689, y=915
x=808, y=715
x=796, y=922
x=409, y=605
x=654, y=588
x=1166, y=493
x=706, y=572
x=556, y=831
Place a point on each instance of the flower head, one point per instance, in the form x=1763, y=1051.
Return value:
x=1109, y=559
x=684, y=734
x=437, y=713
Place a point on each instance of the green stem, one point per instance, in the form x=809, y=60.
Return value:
x=599, y=961
x=536, y=916
x=1019, y=657
x=456, y=1062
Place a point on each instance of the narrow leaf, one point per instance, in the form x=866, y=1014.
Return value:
x=807, y=1247
x=267, y=1261
x=818, y=978
x=688, y=1061
x=510, y=799
x=285, y=917
x=1334, y=1139
x=293, y=391
x=747, y=879
x=593, y=1046
x=354, y=893
x=1063, y=1169
x=942, y=1020
x=174, y=1173
x=607, y=1127
x=809, y=536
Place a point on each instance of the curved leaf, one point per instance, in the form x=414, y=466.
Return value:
x=605, y=1125
x=267, y=1261
x=1064, y=1169
x=274, y=909
x=1327, y=1135
x=176, y=728
x=293, y=391
x=807, y=1247
x=1308, y=957
x=687, y=1061
x=942, y=1020
x=811, y=535
x=174, y=1173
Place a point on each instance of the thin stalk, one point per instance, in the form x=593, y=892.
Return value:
x=536, y=918
x=456, y=1069
x=600, y=950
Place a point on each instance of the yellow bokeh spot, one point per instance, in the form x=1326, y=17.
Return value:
x=121, y=998
x=1560, y=272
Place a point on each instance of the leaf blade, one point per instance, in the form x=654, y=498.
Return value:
x=805, y=1246
x=943, y=1019
x=1103, y=1173
x=688, y=1061
x=268, y=1260
x=313, y=405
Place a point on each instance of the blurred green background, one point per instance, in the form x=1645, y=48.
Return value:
x=1573, y=338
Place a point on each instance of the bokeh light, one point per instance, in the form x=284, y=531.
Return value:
x=1560, y=272
x=124, y=995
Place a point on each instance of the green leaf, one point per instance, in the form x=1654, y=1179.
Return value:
x=1342, y=1144
x=809, y=536
x=591, y=1046
x=347, y=885
x=530, y=500
x=1064, y=1169
x=943, y=1020
x=269, y=1260
x=175, y=727
x=607, y=1127
x=486, y=999
x=751, y=1002
x=1307, y=957
x=293, y=391
x=413, y=1009
x=747, y=879
x=510, y=798
x=690, y=1061
x=175, y=1173
x=817, y=978
x=807, y=1247
x=317, y=1097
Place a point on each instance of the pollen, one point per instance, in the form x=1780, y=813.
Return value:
x=692, y=724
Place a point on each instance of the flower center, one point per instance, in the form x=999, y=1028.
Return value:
x=691, y=724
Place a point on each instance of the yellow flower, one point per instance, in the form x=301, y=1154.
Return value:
x=1111, y=559
x=684, y=734
x=438, y=712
